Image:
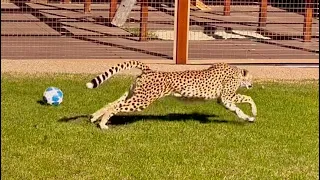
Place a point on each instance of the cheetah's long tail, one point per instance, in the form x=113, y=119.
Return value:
x=115, y=69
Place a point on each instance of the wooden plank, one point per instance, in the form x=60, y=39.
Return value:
x=27, y=29
x=181, y=40
x=9, y=6
x=313, y=45
x=156, y=48
x=38, y=6
x=78, y=6
x=62, y=14
x=153, y=16
x=113, y=9
x=226, y=9
x=254, y=61
x=98, y=28
x=87, y=6
x=263, y=13
x=42, y=1
x=64, y=48
x=307, y=25
x=80, y=32
x=10, y=17
x=240, y=8
x=123, y=12
x=224, y=50
x=143, y=20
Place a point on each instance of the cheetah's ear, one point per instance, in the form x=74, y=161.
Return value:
x=245, y=72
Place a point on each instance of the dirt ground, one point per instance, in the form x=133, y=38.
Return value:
x=98, y=66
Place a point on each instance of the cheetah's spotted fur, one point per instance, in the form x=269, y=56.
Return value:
x=219, y=81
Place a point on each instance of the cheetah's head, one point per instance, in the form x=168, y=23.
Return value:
x=246, y=80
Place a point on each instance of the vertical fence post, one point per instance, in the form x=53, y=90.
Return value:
x=113, y=9
x=65, y=1
x=263, y=13
x=226, y=9
x=143, y=20
x=87, y=6
x=307, y=25
x=193, y=2
x=181, y=30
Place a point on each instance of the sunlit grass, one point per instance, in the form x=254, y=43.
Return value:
x=171, y=139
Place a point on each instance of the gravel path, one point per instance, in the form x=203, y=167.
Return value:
x=99, y=66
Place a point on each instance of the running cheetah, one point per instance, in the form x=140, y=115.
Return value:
x=218, y=81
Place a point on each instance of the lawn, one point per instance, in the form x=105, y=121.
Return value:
x=172, y=139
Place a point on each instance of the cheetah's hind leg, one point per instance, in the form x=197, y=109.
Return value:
x=95, y=116
x=132, y=104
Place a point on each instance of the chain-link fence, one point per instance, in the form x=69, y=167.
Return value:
x=129, y=29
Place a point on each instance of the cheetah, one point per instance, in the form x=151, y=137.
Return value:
x=219, y=81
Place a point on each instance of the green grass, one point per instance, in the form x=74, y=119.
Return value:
x=199, y=140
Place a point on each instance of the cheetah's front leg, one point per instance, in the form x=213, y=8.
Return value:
x=239, y=98
x=232, y=107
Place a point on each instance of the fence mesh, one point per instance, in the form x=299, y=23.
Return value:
x=47, y=29
x=62, y=30
x=239, y=34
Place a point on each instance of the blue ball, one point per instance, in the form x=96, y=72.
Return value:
x=53, y=96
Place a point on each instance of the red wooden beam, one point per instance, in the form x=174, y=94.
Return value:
x=263, y=13
x=113, y=9
x=181, y=31
x=307, y=25
x=143, y=20
x=226, y=9
x=87, y=6
x=193, y=2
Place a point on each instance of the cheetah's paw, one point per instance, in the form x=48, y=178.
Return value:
x=251, y=119
x=254, y=113
x=103, y=126
x=94, y=118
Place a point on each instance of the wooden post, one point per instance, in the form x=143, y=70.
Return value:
x=87, y=6
x=123, y=12
x=226, y=9
x=307, y=25
x=113, y=9
x=181, y=29
x=263, y=13
x=193, y=2
x=66, y=1
x=143, y=20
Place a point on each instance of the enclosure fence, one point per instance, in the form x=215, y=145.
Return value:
x=181, y=31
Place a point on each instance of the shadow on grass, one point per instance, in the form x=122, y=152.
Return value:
x=127, y=119
x=73, y=118
x=42, y=102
